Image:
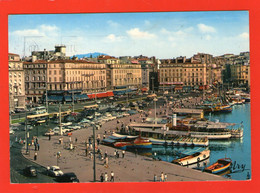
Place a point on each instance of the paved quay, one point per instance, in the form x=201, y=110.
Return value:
x=131, y=168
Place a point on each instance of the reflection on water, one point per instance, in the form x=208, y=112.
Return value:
x=239, y=150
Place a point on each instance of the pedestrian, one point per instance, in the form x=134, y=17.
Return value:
x=105, y=154
x=165, y=177
x=123, y=153
x=76, y=140
x=49, y=137
x=86, y=151
x=130, y=120
x=106, y=177
x=35, y=156
x=112, y=177
x=101, y=178
x=155, y=178
x=115, y=153
x=35, y=146
x=106, y=162
x=162, y=177
x=38, y=146
x=98, y=141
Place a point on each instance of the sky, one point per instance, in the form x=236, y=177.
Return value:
x=160, y=34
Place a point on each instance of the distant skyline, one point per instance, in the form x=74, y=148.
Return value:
x=159, y=34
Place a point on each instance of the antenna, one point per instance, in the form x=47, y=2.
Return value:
x=24, y=43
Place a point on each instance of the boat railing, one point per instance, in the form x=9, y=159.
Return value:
x=210, y=133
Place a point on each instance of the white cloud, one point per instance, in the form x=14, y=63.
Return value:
x=135, y=33
x=27, y=32
x=206, y=28
x=244, y=35
x=48, y=27
x=42, y=30
x=113, y=38
x=112, y=23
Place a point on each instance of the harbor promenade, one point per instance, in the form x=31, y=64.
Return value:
x=131, y=168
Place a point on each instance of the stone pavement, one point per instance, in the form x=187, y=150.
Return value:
x=131, y=168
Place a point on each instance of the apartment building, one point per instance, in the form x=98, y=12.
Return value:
x=16, y=82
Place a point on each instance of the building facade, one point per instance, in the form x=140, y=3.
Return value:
x=182, y=72
x=16, y=82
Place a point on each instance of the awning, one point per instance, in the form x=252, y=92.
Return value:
x=119, y=92
x=110, y=94
x=144, y=89
x=91, y=96
x=54, y=98
x=101, y=95
x=67, y=98
x=54, y=92
x=80, y=97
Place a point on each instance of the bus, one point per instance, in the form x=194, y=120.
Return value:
x=64, y=113
x=91, y=107
x=37, y=118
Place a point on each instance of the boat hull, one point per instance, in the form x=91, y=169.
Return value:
x=192, y=159
x=220, y=166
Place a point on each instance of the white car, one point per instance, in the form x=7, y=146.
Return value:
x=54, y=171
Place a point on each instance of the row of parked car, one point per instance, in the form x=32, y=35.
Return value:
x=53, y=171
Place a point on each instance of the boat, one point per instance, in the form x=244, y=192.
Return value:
x=159, y=135
x=220, y=166
x=125, y=142
x=193, y=158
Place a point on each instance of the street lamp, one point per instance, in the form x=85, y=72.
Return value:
x=155, y=99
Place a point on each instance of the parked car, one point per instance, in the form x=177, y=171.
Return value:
x=68, y=177
x=54, y=171
x=50, y=132
x=30, y=171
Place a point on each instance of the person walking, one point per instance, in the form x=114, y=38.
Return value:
x=165, y=177
x=155, y=178
x=115, y=154
x=38, y=146
x=101, y=178
x=49, y=137
x=106, y=162
x=106, y=177
x=112, y=177
x=35, y=156
x=123, y=153
x=162, y=177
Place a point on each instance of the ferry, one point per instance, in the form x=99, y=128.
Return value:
x=159, y=135
x=209, y=129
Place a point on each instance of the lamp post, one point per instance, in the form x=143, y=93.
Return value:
x=94, y=153
x=152, y=83
x=155, y=99
x=26, y=133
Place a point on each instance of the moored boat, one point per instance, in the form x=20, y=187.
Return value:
x=193, y=158
x=220, y=166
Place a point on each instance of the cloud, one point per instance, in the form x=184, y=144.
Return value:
x=174, y=35
x=27, y=32
x=113, y=38
x=244, y=35
x=135, y=33
x=206, y=28
x=112, y=23
x=42, y=30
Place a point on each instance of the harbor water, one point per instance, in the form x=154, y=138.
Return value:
x=239, y=150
